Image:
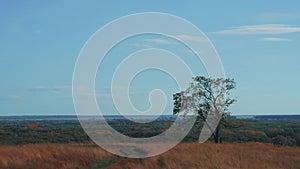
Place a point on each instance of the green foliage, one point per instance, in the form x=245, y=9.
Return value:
x=206, y=96
x=279, y=140
x=279, y=132
x=18, y=132
x=206, y=93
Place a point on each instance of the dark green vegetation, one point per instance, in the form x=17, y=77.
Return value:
x=279, y=132
x=30, y=132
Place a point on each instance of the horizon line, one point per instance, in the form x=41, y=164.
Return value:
x=147, y=115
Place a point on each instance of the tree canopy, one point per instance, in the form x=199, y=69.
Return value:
x=206, y=97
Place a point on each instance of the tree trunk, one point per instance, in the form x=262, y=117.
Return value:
x=217, y=136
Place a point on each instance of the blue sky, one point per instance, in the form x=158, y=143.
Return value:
x=258, y=43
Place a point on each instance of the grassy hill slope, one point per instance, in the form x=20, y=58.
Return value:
x=184, y=155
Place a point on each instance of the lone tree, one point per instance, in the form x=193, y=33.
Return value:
x=206, y=97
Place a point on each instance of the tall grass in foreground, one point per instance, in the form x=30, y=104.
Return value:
x=184, y=155
x=50, y=156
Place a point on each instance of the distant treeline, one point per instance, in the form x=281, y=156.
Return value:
x=279, y=132
x=278, y=117
x=268, y=117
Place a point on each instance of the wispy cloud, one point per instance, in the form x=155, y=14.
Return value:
x=55, y=89
x=37, y=31
x=121, y=90
x=159, y=41
x=275, y=39
x=190, y=38
x=193, y=52
x=260, y=29
x=140, y=45
x=11, y=98
x=194, y=38
x=105, y=92
x=147, y=43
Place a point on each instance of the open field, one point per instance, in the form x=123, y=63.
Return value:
x=184, y=155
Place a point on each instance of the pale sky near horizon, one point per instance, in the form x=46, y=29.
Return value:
x=258, y=43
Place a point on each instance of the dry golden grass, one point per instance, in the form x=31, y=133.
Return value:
x=184, y=155
x=225, y=156
x=50, y=156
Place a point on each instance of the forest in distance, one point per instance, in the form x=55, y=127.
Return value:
x=278, y=130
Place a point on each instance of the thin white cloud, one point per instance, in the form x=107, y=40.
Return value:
x=101, y=95
x=140, y=45
x=37, y=31
x=190, y=38
x=48, y=88
x=167, y=42
x=159, y=41
x=14, y=97
x=193, y=52
x=11, y=98
x=105, y=92
x=84, y=91
x=275, y=39
x=260, y=29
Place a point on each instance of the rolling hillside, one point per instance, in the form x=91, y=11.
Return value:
x=184, y=155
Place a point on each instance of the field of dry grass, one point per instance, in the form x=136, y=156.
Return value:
x=184, y=155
